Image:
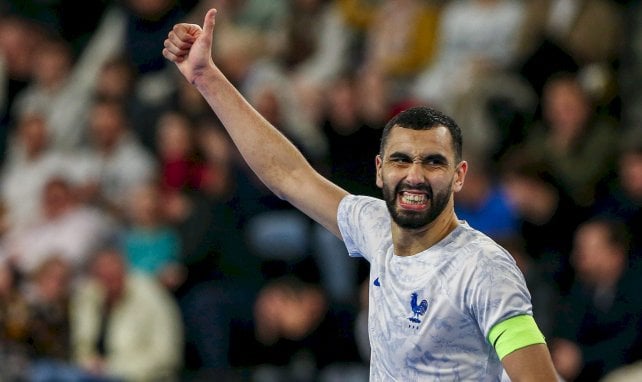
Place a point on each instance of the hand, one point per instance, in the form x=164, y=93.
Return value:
x=190, y=47
x=268, y=314
x=567, y=358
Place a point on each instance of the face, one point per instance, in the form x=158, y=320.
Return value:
x=592, y=251
x=107, y=124
x=418, y=175
x=109, y=269
x=173, y=137
x=53, y=280
x=145, y=204
x=566, y=107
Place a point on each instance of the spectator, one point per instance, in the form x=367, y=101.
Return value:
x=296, y=333
x=68, y=228
x=63, y=81
x=19, y=37
x=151, y=244
x=49, y=337
x=571, y=134
x=181, y=165
x=125, y=325
x=116, y=162
x=598, y=327
x=352, y=139
x=31, y=164
x=52, y=67
x=220, y=163
x=547, y=216
x=624, y=198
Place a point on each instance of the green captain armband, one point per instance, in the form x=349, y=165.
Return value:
x=513, y=334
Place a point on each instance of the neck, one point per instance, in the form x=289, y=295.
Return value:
x=409, y=242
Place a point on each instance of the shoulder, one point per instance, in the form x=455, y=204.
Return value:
x=475, y=242
x=480, y=253
x=355, y=209
x=361, y=204
x=364, y=223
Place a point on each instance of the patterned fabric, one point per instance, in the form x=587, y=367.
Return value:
x=430, y=313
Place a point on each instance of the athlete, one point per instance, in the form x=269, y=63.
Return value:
x=446, y=302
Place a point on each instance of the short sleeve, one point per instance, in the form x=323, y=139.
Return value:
x=497, y=290
x=364, y=224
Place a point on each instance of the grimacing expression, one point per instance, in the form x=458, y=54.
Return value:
x=416, y=173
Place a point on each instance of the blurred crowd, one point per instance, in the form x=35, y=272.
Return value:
x=135, y=244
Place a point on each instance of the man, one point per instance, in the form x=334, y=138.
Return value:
x=446, y=302
x=125, y=325
x=599, y=320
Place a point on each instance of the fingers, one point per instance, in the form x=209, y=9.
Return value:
x=179, y=41
x=208, y=23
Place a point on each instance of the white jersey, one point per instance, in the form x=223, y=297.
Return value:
x=430, y=314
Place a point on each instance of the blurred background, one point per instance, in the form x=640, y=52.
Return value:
x=135, y=244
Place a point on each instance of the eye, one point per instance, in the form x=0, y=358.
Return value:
x=436, y=160
x=399, y=159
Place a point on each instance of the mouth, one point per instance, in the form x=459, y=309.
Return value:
x=413, y=200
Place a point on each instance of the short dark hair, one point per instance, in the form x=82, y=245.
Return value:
x=424, y=118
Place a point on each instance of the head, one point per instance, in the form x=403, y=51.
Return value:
x=53, y=61
x=420, y=166
x=33, y=134
x=117, y=78
x=530, y=186
x=109, y=268
x=52, y=279
x=108, y=122
x=57, y=197
x=145, y=205
x=600, y=251
x=174, y=138
x=566, y=106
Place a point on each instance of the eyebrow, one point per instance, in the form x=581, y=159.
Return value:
x=430, y=157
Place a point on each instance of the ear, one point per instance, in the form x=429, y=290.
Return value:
x=460, y=175
x=378, y=163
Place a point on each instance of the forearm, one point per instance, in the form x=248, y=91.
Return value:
x=266, y=150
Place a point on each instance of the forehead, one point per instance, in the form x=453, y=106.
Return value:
x=420, y=142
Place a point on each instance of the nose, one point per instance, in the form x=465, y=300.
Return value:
x=415, y=174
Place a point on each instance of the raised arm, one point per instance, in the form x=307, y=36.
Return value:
x=274, y=159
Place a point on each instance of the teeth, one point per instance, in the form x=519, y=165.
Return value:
x=413, y=198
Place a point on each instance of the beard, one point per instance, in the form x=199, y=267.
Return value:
x=416, y=219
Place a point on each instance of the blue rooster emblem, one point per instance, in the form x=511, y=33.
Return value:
x=417, y=309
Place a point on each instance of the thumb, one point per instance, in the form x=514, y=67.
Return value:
x=208, y=23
